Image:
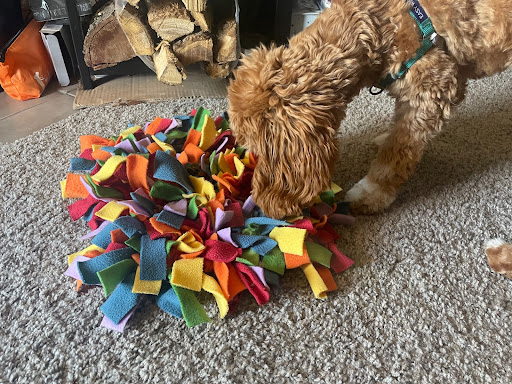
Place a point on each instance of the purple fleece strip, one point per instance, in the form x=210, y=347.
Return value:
x=224, y=142
x=96, y=231
x=72, y=270
x=136, y=208
x=126, y=146
x=225, y=235
x=91, y=192
x=248, y=206
x=205, y=163
x=107, y=323
x=173, y=125
x=260, y=273
x=142, y=143
x=178, y=207
x=140, y=192
x=222, y=218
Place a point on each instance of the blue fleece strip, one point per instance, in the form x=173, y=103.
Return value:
x=147, y=204
x=103, y=238
x=121, y=301
x=88, y=269
x=130, y=225
x=168, y=301
x=79, y=164
x=266, y=224
x=260, y=244
x=88, y=215
x=168, y=168
x=153, y=255
x=161, y=136
x=170, y=218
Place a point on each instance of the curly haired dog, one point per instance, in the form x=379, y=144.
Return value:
x=286, y=103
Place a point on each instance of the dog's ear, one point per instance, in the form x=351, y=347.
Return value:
x=253, y=80
x=250, y=92
x=295, y=160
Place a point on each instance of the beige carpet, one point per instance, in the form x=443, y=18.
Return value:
x=420, y=304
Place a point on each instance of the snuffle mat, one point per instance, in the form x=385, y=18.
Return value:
x=170, y=210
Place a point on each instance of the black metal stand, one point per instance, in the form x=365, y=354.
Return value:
x=282, y=26
x=130, y=67
x=283, y=21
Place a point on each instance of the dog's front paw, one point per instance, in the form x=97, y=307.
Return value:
x=368, y=197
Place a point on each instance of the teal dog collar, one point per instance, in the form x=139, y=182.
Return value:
x=428, y=33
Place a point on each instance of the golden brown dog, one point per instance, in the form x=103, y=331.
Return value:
x=286, y=103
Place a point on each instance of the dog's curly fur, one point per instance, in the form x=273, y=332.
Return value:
x=286, y=103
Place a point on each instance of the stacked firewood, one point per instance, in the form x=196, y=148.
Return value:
x=176, y=33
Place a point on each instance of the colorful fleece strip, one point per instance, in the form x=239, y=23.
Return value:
x=171, y=214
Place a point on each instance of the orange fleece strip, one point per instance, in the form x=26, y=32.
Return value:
x=230, y=160
x=183, y=158
x=226, y=185
x=74, y=187
x=192, y=255
x=228, y=279
x=136, y=257
x=295, y=261
x=136, y=169
x=118, y=236
x=221, y=196
x=87, y=141
x=93, y=253
x=100, y=154
x=214, y=204
x=193, y=152
x=194, y=137
x=235, y=284
x=151, y=129
x=326, y=275
x=162, y=227
x=321, y=223
x=153, y=147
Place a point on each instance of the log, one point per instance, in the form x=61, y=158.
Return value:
x=203, y=20
x=225, y=45
x=218, y=71
x=195, y=5
x=140, y=35
x=168, y=68
x=169, y=19
x=194, y=48
x=105, y=43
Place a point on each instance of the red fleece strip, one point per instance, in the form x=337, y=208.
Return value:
x=339, y=262
x=79, y=208
x=253, y=283
x=87, y=154
x=221, y=251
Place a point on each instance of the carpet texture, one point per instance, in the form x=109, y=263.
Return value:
x=420, y=305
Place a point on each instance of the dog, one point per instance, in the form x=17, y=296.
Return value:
x=286, y=103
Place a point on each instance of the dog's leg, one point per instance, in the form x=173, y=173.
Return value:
x=425, y=98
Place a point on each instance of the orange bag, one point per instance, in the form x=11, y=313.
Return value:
x=27, y=68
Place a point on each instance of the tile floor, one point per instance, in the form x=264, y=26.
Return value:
x=21, y=118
